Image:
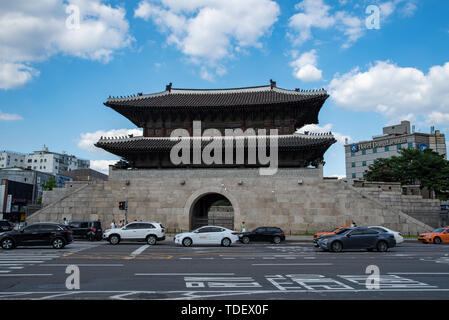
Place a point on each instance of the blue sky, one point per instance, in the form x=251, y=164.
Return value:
x=55, y=77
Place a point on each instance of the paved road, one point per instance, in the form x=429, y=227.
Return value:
x=255, y=271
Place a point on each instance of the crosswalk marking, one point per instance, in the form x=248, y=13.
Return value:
x=16, y=260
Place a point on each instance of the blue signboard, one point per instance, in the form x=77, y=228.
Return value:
x=354, y=148
x=423, y=146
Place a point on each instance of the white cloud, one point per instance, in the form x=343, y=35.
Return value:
x=102, y=165
x=317, y=14
x=13, y=75
x=9, y=116
x=33, y=31
x=304, y=67
x=341, y=138
x=437, y=117
x=88, y=139
x=393, y=91
x=210, y=31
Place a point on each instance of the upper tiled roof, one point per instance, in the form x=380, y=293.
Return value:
x=173, y=97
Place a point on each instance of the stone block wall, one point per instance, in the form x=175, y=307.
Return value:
x=296, y=200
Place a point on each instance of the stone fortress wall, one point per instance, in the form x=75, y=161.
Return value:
x=298, y=200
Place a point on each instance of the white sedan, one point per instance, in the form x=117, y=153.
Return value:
x=207, y=235
x=397, y=236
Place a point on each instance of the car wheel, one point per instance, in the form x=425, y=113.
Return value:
x=7, y=244
x=245, y=240
x=277, y=240
x=151, y=240
x=226, y=242
x=382, y=246
x=187, y=242
x=437, y=240
x=58, y=243
x=336, y=246
x=114, y=239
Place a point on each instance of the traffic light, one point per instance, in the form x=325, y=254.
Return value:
x=122, y=205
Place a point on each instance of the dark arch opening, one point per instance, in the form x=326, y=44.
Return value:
x=212, y=209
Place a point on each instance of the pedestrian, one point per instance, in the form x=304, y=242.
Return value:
x=65, y=221
x=243, y=226
x=353, y=224
x=113, y=224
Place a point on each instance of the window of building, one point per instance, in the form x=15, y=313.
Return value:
x=364, y=163
x=353, y=164
x=375, y=150
x=410, y=145
x=352, y=154
x=399, y=146
x=353, y=175
x=363, y=152
x=387, y=148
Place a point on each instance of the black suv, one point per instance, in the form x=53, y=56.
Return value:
x=38, y=234
x=5, y=225
x=90, y=230
x=271, y=234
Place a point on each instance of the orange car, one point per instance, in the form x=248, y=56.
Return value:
x=436, y=236
x=320, y=234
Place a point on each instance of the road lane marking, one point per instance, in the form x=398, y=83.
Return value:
x=184, y=274
x=419, y=273
x=7, y=262
x=27, y=275
x=81, y=265
x=292, y=264
x=139, y=250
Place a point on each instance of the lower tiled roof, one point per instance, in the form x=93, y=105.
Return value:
x=148, y=144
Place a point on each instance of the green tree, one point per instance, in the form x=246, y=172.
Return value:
x=50, y=184
x=413, y=166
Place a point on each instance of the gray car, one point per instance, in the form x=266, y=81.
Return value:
x=360, y=238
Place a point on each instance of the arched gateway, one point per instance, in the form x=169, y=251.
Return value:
x=198, y=208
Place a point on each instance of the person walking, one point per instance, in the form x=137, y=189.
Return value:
x=113, y=224
x=243, y=226
x=65, y=221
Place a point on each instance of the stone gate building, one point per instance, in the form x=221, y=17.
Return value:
x=209, y=165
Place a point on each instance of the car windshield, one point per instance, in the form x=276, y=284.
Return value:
x=340, y=231
x=438, y=230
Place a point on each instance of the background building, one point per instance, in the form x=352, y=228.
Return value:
x=11, y=159
x=54, y=163
x=360, y=155
x=35, y=178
